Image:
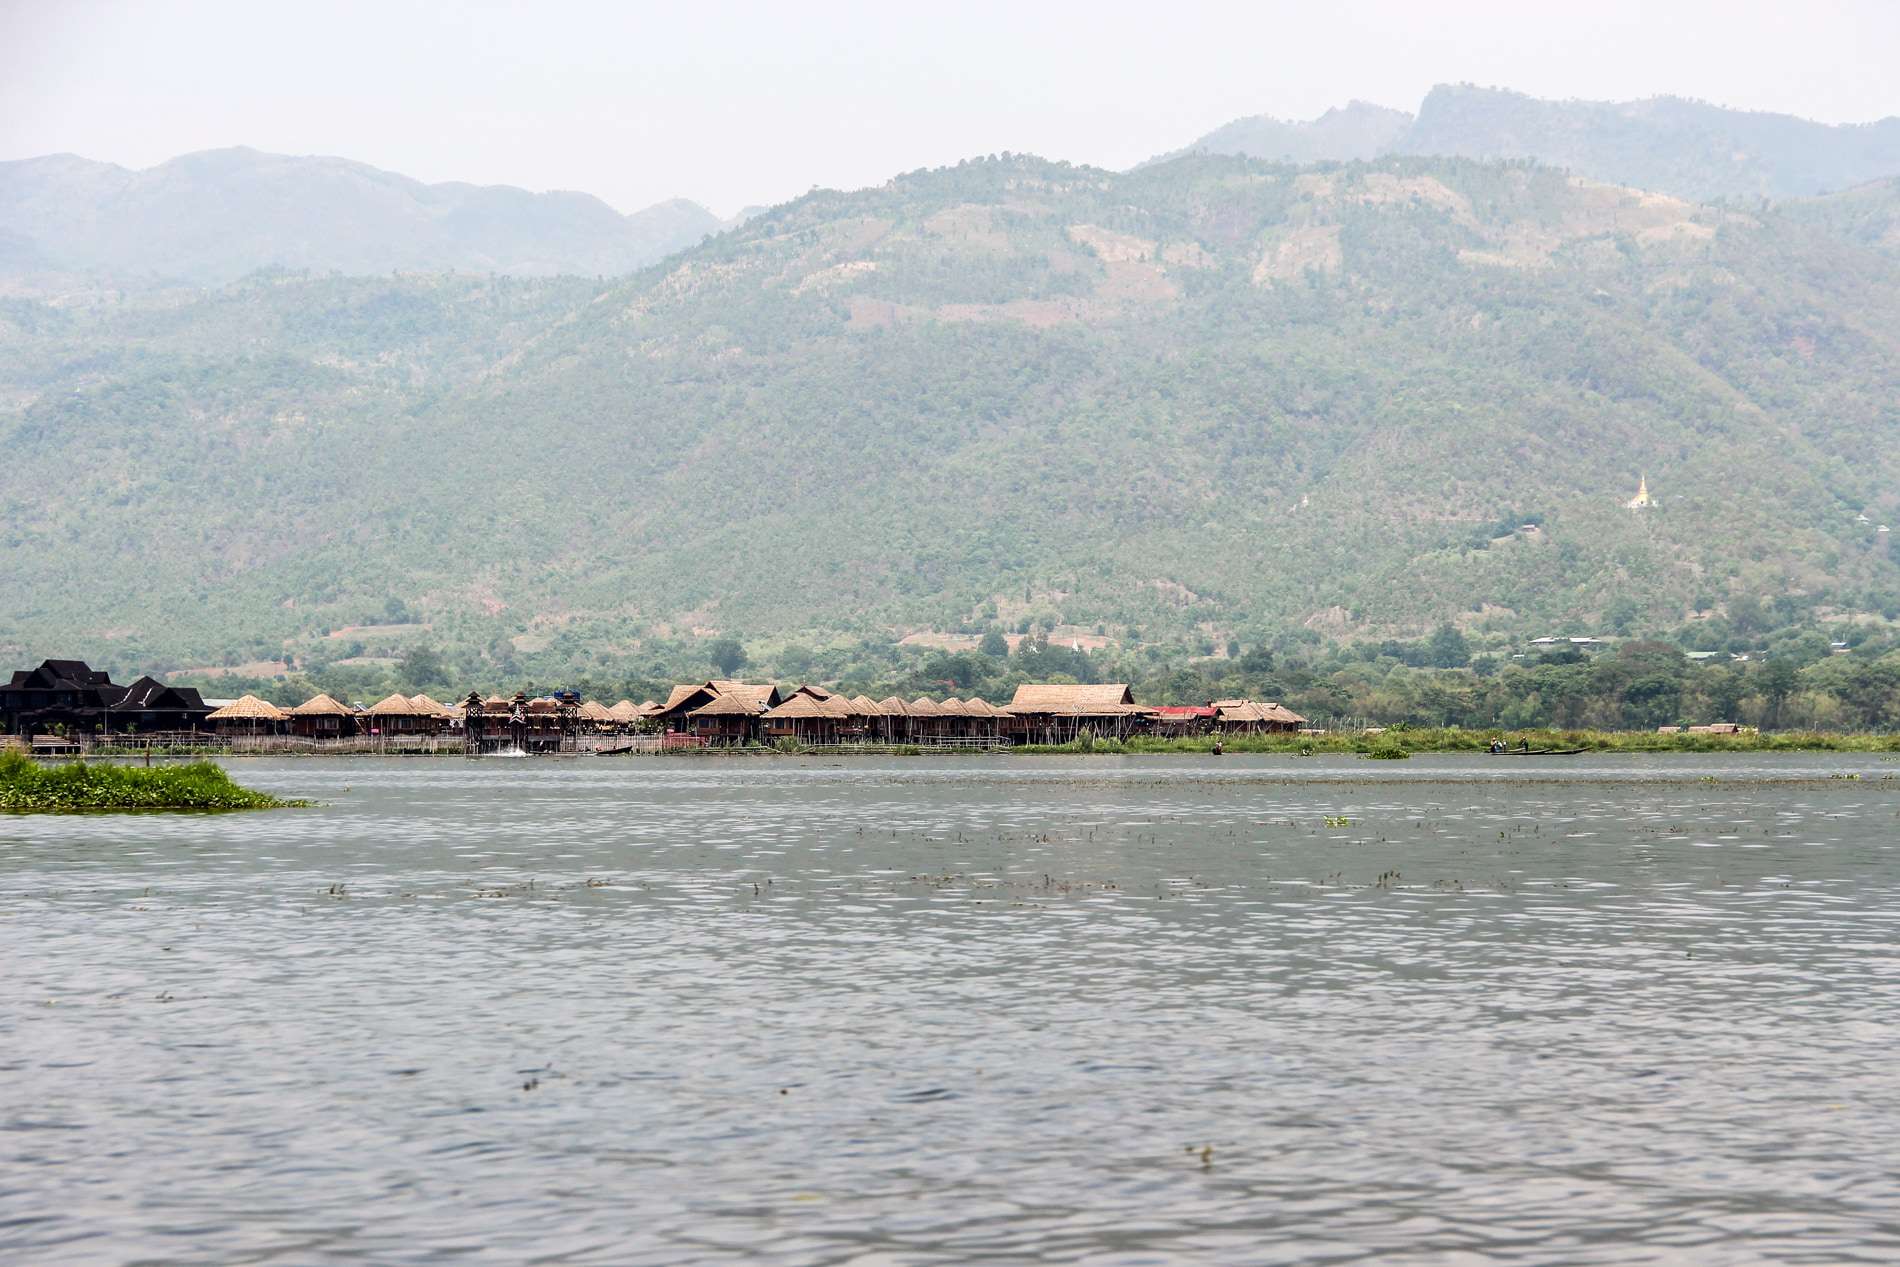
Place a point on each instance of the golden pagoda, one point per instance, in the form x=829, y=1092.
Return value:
x=1642, y=500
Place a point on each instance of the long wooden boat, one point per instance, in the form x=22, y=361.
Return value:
x=1539, y=752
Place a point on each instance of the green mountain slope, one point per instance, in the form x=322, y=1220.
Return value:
x=1867, y=215
x=212, y=217
x=1209, y=397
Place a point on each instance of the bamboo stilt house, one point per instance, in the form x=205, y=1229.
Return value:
x=249, y=715
x=991, y=721
x=927, y=723
x=1180, y=721
x=729, y=719
x=444, y=715
x=1058, y=713
x=957, y=722
x=395, y=715
x=321, y=717
x=687, y=698
x=499, y=723
x=896, y=719
x=1241, y=716
x=804, y=719
x=596, y=716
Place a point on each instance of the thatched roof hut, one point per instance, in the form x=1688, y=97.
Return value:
x=687, y=698
x=594, y=711
x=1057, y=712
x=249, y=715
x=923, y=706
x=249, y=708
x=730, y=706
x=423, y=704
x=684, y=692
x=624, y=712
x=764, y=694
x=1245, y=714
x=320, y=706
x=893, y=707
x=1073, y=700
x=801, y=705
x=393, y=706
x=322, y=717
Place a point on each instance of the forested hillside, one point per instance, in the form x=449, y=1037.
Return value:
x=213, y=217
x=1207, y=401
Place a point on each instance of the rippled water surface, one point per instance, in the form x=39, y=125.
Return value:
x=1603, y=1009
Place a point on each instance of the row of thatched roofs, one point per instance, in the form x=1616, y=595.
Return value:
x=251, y=708
x=748, y=699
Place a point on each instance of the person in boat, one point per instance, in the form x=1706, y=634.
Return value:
x=1497, y=746
x=1523, y=745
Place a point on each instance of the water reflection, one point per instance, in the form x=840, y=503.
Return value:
x=1253, y=1010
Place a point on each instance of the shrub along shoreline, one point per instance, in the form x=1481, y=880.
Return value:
x=26, y=787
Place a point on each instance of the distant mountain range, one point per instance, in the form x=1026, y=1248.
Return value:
x=1357, y=130
x=1209, y=398
x=212, y=217
x=1667, y=144
x=1214, y=397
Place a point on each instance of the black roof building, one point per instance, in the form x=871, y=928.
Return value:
x=73, y=694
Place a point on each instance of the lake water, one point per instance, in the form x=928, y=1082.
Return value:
x=1108, y=1010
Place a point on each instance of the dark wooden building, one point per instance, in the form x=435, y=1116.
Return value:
x=73, y=696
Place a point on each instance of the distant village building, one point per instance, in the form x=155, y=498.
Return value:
x=321, y=717
x=74, y=696
x=1240, y=716
x=688, y=710
x=498, y=723
x=249, y=715
x=731, y=717
x=1179, y=721
x=1060, y=713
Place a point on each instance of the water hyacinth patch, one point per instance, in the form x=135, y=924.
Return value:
x=26, y=787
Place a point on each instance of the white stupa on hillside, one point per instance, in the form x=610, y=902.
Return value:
x=1642, y=500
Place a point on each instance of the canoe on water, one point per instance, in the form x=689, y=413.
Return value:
x=1540, y=752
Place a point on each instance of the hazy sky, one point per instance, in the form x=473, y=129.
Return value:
x=737, y=104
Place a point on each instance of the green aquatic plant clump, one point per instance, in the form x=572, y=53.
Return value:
x=26, y=787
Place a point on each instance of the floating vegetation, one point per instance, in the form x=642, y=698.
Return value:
x=26, y=787
x=1338, y=820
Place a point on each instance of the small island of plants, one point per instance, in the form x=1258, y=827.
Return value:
x=27, y=787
